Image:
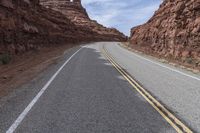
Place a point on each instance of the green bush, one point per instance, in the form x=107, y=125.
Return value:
x=189, y=60
x=5, y=58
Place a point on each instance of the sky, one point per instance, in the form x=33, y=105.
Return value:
x=121, y=14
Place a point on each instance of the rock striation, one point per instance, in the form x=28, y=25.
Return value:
x=26, y=25
x=173, y=32
x=74, y=11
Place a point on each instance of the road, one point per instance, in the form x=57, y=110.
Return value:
x=85, y=93
x=178, y=89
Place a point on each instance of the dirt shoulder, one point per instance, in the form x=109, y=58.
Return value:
x=25, y=67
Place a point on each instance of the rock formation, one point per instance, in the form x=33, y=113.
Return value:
x=78, y=15
x=173, y=32
x=25, y=25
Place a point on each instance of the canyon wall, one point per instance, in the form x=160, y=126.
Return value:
x=173, y=32
x=26, y=25
x=78, y=15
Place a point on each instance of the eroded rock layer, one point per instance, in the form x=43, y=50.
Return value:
x=78, y=15
x=173, y=32
x=25, y=25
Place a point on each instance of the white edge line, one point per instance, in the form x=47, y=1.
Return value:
x=20, y=118
x=165, y=66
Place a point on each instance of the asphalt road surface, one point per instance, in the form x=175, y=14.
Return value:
x=178, y=89
x=84, y=93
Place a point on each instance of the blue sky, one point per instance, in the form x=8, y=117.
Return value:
x=121, y=14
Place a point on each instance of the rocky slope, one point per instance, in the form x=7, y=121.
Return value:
x=78, y=15
x=25, y=25
x=173, y=32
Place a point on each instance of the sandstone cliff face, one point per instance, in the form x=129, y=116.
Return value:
x=78, y=15
x=173, y=32
x=25, y=25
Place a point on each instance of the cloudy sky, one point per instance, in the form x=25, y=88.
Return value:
x=121, y=14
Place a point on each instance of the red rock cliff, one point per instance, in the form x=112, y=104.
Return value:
x=78, y=15
x=173, y=31
x=25, y=25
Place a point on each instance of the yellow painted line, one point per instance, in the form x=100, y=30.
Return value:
x=170, y=118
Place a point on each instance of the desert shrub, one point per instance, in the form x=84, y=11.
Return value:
x=189, y=60
x=5, y=58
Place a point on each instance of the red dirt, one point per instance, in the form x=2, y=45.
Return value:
x=25, y=67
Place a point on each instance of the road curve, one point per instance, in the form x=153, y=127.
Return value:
x=87, y=95
x=177, y=89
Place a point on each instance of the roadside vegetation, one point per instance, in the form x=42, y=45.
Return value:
x=5, y=58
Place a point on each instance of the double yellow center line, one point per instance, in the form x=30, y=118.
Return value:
x=164, y=112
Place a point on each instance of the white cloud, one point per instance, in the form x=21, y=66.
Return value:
x=121, y=14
